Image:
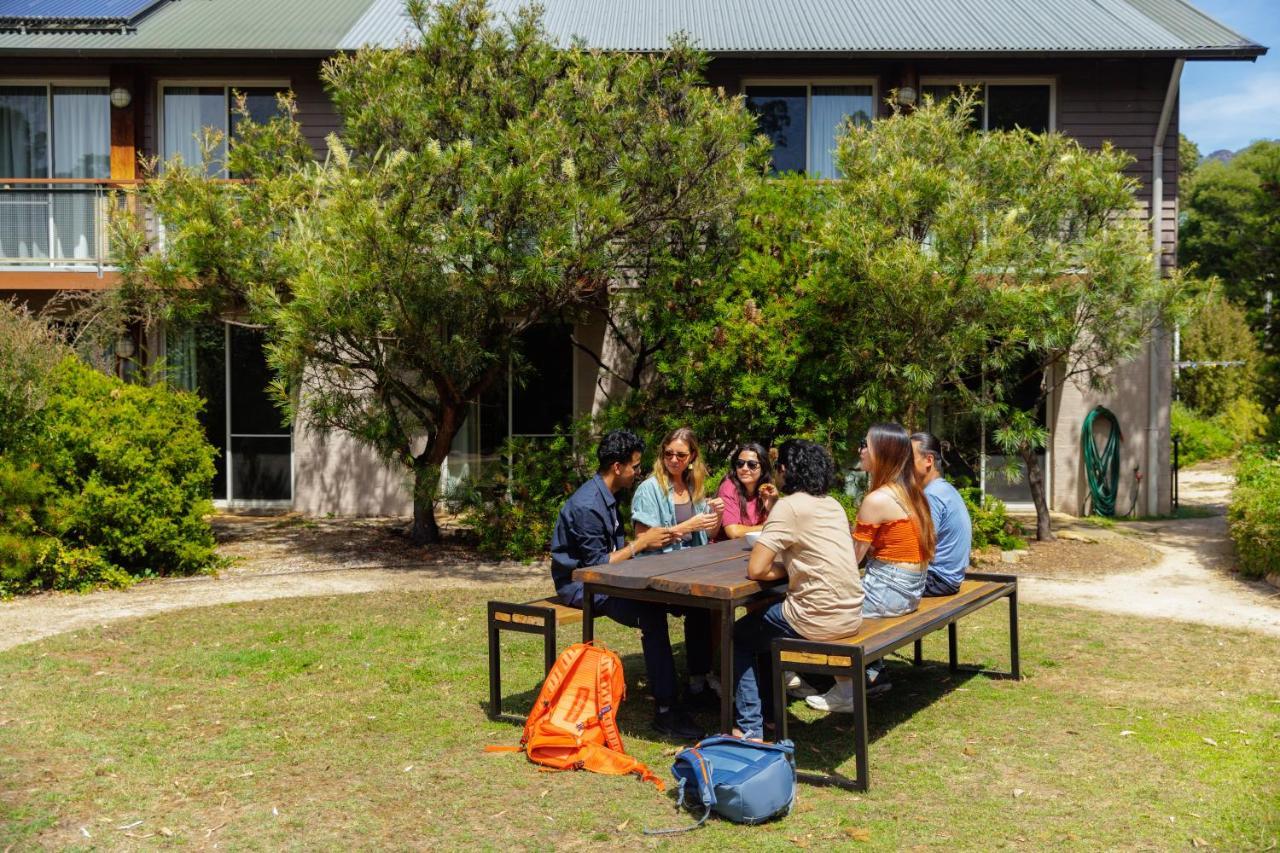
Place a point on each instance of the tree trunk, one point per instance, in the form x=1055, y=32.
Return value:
x=1035, y=479
x=426, y=482
x=426, y=476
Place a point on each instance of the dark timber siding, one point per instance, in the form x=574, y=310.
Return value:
x=1096, y=101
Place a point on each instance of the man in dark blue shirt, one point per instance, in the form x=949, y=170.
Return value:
x=589, y=533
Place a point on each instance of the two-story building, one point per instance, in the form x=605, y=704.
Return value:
x=89, y=87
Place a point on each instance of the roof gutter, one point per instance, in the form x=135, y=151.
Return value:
x=1157, y=336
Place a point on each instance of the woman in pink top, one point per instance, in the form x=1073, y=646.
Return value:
x=748, y=492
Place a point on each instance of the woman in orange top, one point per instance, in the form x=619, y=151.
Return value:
x=894, y=531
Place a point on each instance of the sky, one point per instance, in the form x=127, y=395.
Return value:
x=1230, y=104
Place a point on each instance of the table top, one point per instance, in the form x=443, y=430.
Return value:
x=718, y=570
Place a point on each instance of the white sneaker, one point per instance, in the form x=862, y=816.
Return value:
x=797, y=687
x=713, y=681
x=837, y=700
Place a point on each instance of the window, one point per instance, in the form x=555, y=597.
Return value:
x=188, y=110
x=52, y=130
x=803, y=120
x=1004, y=105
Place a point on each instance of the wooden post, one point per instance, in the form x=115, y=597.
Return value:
x=124, y=125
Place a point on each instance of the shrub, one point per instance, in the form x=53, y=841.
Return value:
x=29, y=351
x=1218, y=332
x=1254, y=513
x=512, y=507
x=1240, y=423
x=116, y=487
x=991, y=523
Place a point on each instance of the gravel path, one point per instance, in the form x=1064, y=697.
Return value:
x=1192, y=582
x=295, y=557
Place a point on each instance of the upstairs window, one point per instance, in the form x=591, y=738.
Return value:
x=187, y=110
x=1003, y=105
x=803, y=120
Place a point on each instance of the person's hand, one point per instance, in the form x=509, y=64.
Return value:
x=656, y=537
x=769, y=493
x=708, y=521
x=716, y=505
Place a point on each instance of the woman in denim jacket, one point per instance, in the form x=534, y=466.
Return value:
x=676, y=495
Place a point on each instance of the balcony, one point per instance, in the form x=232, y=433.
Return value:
x=56, y=224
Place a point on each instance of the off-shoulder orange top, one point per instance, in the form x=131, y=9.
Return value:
x=891, y=541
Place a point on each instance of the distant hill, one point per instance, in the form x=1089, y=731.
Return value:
x=1222, y=155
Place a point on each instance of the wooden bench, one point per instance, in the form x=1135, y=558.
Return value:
x=876, y=639
x=533, y=617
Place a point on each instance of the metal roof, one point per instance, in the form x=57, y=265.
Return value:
x=74, y=10
x=221, y=27
x=867, y=27
x=861, y=27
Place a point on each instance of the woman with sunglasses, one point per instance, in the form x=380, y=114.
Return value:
x=894, y=531
x=748, y=492
x=675, y=498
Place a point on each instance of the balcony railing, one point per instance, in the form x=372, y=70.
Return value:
x=56, y=223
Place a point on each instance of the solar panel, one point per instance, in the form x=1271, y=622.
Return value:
x=117, y=11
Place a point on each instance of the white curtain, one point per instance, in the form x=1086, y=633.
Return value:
x=24, y=153
x=187, y=111
x=830, y=105
x=81, y=149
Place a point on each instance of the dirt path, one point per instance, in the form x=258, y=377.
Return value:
x=1192, y=581
x=295, y=557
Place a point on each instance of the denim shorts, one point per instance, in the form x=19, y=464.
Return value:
x=891, y=589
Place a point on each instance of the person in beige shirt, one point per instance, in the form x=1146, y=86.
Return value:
x=807, y=541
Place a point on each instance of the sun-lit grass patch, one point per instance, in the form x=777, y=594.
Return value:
x=360, y=721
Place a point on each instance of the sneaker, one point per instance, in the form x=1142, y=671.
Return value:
x=713, y=681
x=676, y=724
x=797, y=687
x=837, y=700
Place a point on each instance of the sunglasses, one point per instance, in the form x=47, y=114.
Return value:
x=674, y=454
x=862, y=445
x=749, y=464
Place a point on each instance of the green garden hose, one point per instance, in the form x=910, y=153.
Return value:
x=1102, y=469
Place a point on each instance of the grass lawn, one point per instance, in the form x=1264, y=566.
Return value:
x=360, y=722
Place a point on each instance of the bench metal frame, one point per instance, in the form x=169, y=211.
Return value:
x=531, y=618
x=851, y=660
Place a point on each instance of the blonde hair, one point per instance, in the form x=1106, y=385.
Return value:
x=695, y=476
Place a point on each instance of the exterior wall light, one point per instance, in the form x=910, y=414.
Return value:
x=124, y=348
x=121, y=97
x=906, y=97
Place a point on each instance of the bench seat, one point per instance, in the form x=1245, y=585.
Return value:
x=541, y=616
x=878, y=637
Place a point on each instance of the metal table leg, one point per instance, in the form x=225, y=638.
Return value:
x=726, y=667
x=588, y=613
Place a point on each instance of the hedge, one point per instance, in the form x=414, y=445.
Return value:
x=1254, y=513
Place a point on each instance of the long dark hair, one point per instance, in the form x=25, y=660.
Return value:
x=893, y=465
x=766, y=475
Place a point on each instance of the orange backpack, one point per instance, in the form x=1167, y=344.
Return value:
x=573, y=724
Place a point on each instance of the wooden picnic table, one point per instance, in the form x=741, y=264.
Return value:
x=713, y=577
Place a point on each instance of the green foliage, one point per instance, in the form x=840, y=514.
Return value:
x=1232, y=230
x=1218, y=331
x=1202, y=438
x=1188, y=162
x=114, y=488
x=486, y=179
x=991, y=523
x=512, y=506
x=1254, y=513
x=29, y=350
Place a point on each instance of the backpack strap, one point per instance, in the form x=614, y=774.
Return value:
x=551, y=686
x=608, y=716
x=706, y=812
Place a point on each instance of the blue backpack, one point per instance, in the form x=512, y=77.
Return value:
x=741, y=780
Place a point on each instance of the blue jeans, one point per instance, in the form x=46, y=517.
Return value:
x=655, y=640
x=753, y=635
x=889, y=589
x=935, y=585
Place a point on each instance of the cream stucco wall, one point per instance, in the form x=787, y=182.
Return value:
x=333, y=473
x=1128, y=399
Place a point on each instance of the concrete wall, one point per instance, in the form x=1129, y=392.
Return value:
x=333, y=473
x=1127, y=398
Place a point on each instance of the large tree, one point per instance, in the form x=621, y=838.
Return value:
x=946, y=267
x=1232, y=231
x=484, y=180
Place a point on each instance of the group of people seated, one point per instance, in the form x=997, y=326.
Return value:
x=912, y=537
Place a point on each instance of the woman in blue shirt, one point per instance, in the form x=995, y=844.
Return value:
x=675, y=498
